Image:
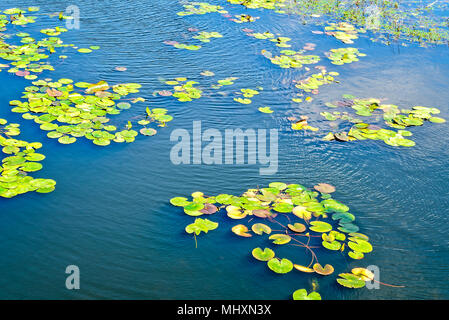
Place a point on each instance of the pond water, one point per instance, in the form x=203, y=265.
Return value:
x=110, y=213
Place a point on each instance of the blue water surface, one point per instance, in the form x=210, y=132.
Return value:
x=110, y=213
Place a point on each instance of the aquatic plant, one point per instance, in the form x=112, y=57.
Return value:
x=343, y=31
x=190, y=47
x=205, y=36
x=247, y=94
x=280, y=41
x=184, y=89
x=192, y=8
x=291, y=59
x=312, y=83
x=242, y=18
x=341, y=56
x=265, y=110
x=225, y=82
x=303, y=124
x=392, y=116
x=314, y=221
x=18, y=161
x=67, y=113
x=264, y=4
x=389, y=20
x=301, y=294
x=29, y=59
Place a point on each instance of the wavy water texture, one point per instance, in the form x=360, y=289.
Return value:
x=110, y=213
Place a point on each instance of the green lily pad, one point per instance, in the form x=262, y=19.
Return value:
x=179, y=201
x=301, y=294
x=280, y=266
x=280, y=238
x=201, y=225
x=350, y=280
x=260, y=228
x=265, y=255
x=320, y=226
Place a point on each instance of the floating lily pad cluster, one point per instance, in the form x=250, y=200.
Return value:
x=19, y=159
x=343, y=31
x=184, y=89
x=260, y=4
x=192, y=8
x=332, y=116
x=29, y=58
x=301, y=294
x=303, y=124
x=281, y=42
x=286, y=214
x=391, y=20
x=263, y=36
x=247, y=94
x=176, y=44
x=224, y=82
x=265, y=110
x=242, y=18
x=291, y=59
x=16, y=17
x=205, y=36
x=392, y=115
x=356, y=279
x=67, y=113
x=227, y=82
x=341, y=56
x=202, y=36
x=312, y=83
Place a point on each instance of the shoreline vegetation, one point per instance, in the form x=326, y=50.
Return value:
x=389, y=20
